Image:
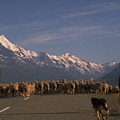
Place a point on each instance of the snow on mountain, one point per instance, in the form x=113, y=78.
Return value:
x=20, y=64
x=70, y=62
x=16, y=49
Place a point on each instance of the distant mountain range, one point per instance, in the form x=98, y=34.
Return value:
x=112, y=76
x=18, y=64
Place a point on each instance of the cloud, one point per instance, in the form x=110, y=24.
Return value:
x=42, y=38
x=31, y=26
x=64, y=34
x=35, y=25
x=93, y=9
x=75, y=33
x=82, y=31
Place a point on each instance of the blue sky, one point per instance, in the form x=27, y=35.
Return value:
x=89, y=29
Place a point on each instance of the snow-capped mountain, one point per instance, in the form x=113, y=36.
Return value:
x=19, y=51
x=18, y=64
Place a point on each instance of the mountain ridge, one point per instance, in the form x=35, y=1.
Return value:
x=16, y=61
x=16, y=49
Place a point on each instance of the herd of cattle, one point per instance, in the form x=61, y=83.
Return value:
x=26, y=89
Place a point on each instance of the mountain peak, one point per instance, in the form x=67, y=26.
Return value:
x=7, y=44
x=19, y=51
x=66, y=54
